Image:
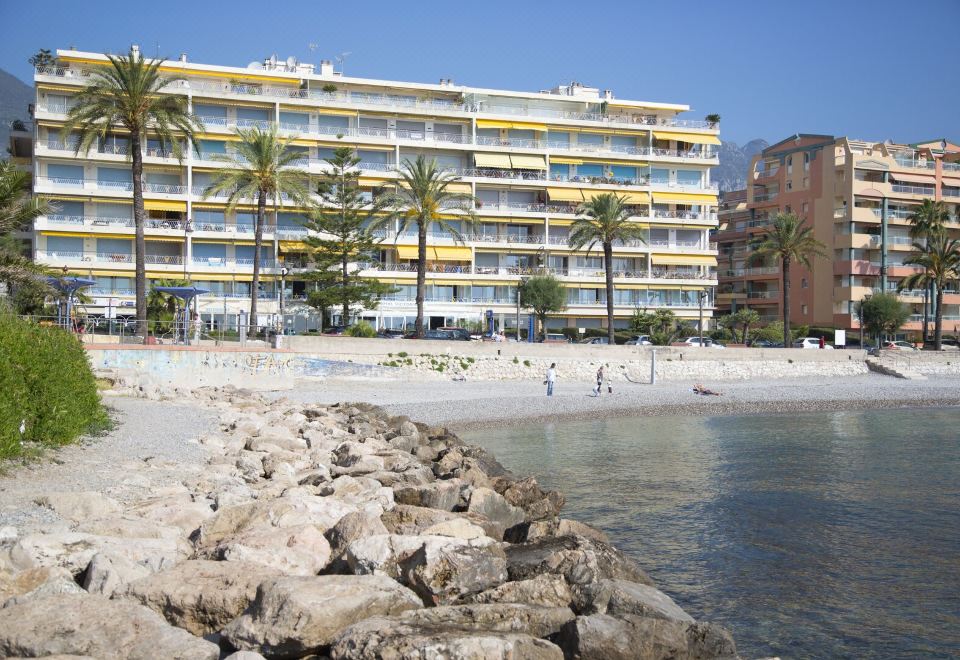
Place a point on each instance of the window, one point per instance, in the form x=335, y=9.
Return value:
x=806, y=207
x=804, y=310
x=803, y=283
x=790, y=164
x=789, y=184
x=806, y=161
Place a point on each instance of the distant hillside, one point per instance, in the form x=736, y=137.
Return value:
x=15, y=96
x=734, y=161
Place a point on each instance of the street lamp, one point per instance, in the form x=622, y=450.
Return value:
x=187, y=230
x=283, y=275
x=702, y=296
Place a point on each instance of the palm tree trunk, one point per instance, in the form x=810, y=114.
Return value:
x=608, y=276
x=787, y=337
x=140, y=245
x=257, y=243
x=926, y=292
x=422, y=275
x=938, y=320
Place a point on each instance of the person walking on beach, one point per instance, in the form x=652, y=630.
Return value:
x=551, y=378
x=599, y=388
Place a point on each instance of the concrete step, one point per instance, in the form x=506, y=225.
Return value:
x=887, y=368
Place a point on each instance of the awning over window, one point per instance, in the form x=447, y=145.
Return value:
x=695, y=138
x=492, y=160
x=635, y=197
x=458, y=187
x=565, y=161
x=683, y=260
x=565, y=194
x=912, y=178
x=294, y=245
x=332, y=111
x=518, y=125
x=528, y=162
x=436, y=253
x=156, y=205
x=683, y=198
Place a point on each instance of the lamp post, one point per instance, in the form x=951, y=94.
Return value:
x=187, y=229
x=701, y=297
x=860, y=315
x=283, y=275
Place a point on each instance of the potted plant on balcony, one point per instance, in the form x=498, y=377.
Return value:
x=329, y=88
x=712, y=119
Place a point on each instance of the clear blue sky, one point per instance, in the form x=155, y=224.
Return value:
x=873, y=69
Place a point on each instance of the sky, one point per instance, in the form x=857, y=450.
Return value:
x=870, y=69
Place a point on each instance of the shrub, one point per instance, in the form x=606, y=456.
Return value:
x=46, y=384
x=526, y=363
x=361, y=329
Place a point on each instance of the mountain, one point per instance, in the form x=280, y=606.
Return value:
x=15, y=96
x=731, y=174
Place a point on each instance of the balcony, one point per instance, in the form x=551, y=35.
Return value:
x=231, y=263
x=766, y=174
x=98, y=222
x=58, y=256
x=470, y=107
x=763, y=295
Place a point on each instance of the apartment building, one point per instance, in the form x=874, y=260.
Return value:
x=858, y=196
x=529, y=159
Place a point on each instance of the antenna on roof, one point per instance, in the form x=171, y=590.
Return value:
x=341, y=58
x=313, y=47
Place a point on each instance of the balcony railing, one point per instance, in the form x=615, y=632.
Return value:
x=226, y=262
x=378, y=101
x=913, y=190
x=763, y=295
x=107, y=257
x=101, y=221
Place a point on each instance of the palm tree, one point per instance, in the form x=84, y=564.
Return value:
x=939, y=256
x=746, y=317
x=605, y=219
x=126, y=97
x=929, y=216
x=787, y=240
x=260, y=169
x=425, y=200
x=17, y=209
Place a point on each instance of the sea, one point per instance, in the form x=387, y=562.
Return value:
x=812, y=535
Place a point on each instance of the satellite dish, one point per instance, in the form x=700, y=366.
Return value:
x=254, y=65
x=291, y=62
x=273, y=60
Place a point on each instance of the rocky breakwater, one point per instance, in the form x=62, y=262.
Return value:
x=333, y=531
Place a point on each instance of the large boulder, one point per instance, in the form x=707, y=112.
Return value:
x=392, y=637
x=578, y=559
x=107, y=572
x=643, y=638
x=92, y=625
x=359, y=491
x=296, y=616
x=494, y=507
x=298, y=550
x=527, y=494
x=35, y=583
x=443, y=573
x=353, y=526
x=200, y=596
x=382, y=554
x=131, y=527
x=621, y=597
x=79, y=506
x=539, y=529
x=413, y=520
x=544, y=590
x=74, y=551
x=181, y=512
x=500, y=617
x=443, y=495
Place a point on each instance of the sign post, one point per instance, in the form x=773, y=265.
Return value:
x=839, y=338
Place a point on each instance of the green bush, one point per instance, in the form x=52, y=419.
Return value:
x=361, y=329
x=46, y=385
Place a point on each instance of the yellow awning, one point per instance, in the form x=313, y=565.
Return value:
x=683, y=198
x=635, y=197
x=484, y=219
x=560, y=223
x=566, y=161
x=695, y=138
x=519, y=125
x=214, y=277
x=294, y=245
x=157, y=205
x=162, y=239
x=448, y=282
x=365, y=181
x=339, y=113
x=372, y=147
x=628, y=163
x=492, y=160
x=436, y=253
x=528, y=162
x=56, y=88
x=457, y=187
x=77, y=234
x=683, y=260
x=565, y=194
x=103, y=273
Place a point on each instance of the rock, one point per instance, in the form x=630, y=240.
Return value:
x=381, y=554
x=130, y=527
x=245, y=655
x=459, y=528
x=74, y=551
x=413, y=520
x=539, y=529
x=495, y=508
x=353, y=526
x=643, y=638
x=443, y=573
x=443, y=495
x=544, y=590
x=299, y=550
x=107, y=572
x=92, y=625
x=417, y=475
x=295, y=616
x=499, y=617
x=79, y=506
x=378, y=638
x=250, y=465
x=323, y=512
x=578, y=559
x=35, y=583
x=527, y=494
x=620, y=597
x=200, y=596
x=179, y=511
x=359, y=491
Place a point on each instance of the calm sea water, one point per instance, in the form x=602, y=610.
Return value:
x=824, y=535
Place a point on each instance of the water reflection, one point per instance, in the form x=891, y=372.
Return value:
x=830, y=534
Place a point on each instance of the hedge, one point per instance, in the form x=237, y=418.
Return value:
x=47, y=387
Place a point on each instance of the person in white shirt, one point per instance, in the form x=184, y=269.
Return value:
x=551, y=378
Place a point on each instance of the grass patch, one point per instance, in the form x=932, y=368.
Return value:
x=526, y=363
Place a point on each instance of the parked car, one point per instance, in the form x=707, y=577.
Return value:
x=595, y=340
x=707, y=342
x=899, y=346
x=390, y=334
x=765, y=343
x=457, y=334
x=639, y=340
x=555, y=338
x=335, y=330
x=948, y=345
x=810, y=342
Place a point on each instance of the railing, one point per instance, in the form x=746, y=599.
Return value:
x=761, y=270
x=763, y=174
x=361, y=99
x=164, y=259
x=763, y=295
x=913, y=190
x=917, y=164
x=164, y=188
x=100, y=221
x=225, y=262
